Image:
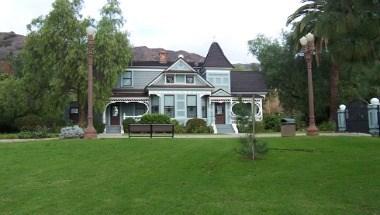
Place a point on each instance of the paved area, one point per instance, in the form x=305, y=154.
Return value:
x=24, y=140
x=263, y=135
x=277, y=134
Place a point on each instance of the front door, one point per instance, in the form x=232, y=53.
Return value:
x=115, y=114
x=220, y=116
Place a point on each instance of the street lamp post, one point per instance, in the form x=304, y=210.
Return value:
x=307, y=43
x=90, y=132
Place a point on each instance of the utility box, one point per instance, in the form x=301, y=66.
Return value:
x=288, y=127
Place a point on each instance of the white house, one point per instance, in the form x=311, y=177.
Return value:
x=185, y=90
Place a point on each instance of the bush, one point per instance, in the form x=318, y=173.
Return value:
x=71, y=132
x=9, y=136
x=196, y=125
x=36, y=134
x=126, y=122
x=99, y=126
x=272, y=122
x=29, y=122
x=259, y=127
x=247, y=145
x=327, y=126
x=178, y=127
x=155, y=119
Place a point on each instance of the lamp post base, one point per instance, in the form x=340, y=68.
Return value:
x=90, y=133
x=312, y=130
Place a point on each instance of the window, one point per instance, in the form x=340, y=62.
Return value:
x=169, y=105
x=155, y=104
x=189, y=79
x=204, y=107
x=191, y=106
x=140, y=109
x=126, y=79
x=180, y=79
x=74, y=110
x=170, y=79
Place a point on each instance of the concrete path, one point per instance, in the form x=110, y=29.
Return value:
x=203, y=136
x=277, y=134
x=25, y=140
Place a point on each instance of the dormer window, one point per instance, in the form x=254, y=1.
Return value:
x=170, y=79
x=189, y=79
x=126, y=80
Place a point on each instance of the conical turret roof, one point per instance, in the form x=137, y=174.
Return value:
x=216, y=58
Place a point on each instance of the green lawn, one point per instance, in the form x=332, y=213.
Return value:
x=334, y=175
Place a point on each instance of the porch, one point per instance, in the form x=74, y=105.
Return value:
x=222, y=112
x=119, y=109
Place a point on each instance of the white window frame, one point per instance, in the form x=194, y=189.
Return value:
x=122, y=79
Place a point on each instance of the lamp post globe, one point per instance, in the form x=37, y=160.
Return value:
x=307, y=43
x=303, y=41
x=91, y=30
x=310, y=37
x=90, y=132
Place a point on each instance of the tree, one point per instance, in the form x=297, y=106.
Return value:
x=55, y=63
x=12, y=103
x=113, y=52
x=342, y=26
x=286, y=74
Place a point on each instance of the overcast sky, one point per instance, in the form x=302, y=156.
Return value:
x=190, y=25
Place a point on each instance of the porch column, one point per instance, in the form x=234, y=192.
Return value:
x=212, y=112
x=162, y=104
x=104, y=116
x=199, y=105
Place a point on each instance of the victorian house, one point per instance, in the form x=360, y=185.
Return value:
x=183, y=90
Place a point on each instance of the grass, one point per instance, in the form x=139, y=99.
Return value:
x=324, y=175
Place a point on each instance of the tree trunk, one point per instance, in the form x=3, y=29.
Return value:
x=334, y=80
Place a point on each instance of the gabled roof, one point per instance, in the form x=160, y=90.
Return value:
x=247, y=82
x=220, y=92
x=216, y=58
x=180, y=65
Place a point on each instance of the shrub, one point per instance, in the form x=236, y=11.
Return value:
x=247, y=128
x=126, y=122
x=259, y=127
x=248, y=143
x=272, y=122
x=71, y=132
x=9, y=136
x=178, y=127
x=29, y=122
x=327, y=126
x=155, y=119
x=196, y=125
x=99, y=126
x=36, y=134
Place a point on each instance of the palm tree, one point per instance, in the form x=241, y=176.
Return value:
x=338, y=24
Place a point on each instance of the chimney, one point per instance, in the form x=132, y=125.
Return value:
x=163, y=57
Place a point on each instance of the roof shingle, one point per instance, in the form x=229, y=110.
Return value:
x=216, y=58
x=245, y=82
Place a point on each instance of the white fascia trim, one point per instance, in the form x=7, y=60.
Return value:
x=263, y=93
x=144, y=69
x=183, y=61
x=217, y=68
x=183, y=91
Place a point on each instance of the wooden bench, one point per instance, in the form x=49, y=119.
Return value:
x=138, y=130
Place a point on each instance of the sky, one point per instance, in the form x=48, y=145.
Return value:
x=190, y=25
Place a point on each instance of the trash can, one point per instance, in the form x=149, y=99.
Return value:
x=288, y=127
